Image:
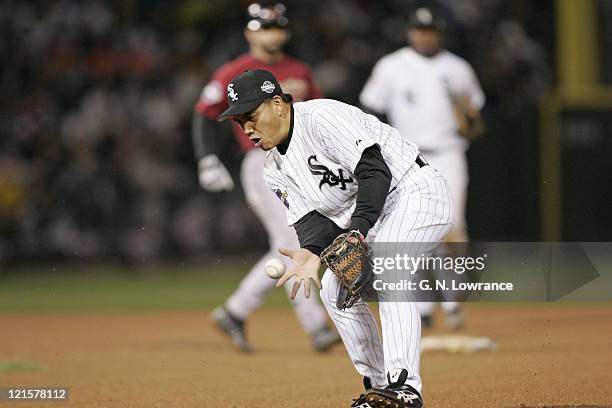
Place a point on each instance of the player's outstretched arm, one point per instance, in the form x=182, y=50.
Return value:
x=305, y=269
x=212, y=174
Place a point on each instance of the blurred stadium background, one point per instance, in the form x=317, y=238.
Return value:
x=101, y=213
x=96, y=160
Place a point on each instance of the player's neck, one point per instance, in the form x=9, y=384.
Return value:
x=268, y=58
x=286, y=129
x=428, y=54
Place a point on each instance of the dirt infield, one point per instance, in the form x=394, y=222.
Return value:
x=549, y=355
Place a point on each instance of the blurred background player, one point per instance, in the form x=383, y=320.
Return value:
x=267, y=33
x=433, y=97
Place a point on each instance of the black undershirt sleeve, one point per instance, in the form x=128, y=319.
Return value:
x=374, y=180
x=315, y=231
x=205, y=135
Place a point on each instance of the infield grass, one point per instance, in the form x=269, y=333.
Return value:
x=118, y=288
x=166, y=287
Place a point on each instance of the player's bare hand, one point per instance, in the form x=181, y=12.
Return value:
x=305, y=269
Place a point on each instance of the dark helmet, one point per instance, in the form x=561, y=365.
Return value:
x=425, y=18
x=266, y=16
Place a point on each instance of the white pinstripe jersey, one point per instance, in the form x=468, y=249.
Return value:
x=317, y=171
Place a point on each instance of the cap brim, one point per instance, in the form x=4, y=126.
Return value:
x=240, y=109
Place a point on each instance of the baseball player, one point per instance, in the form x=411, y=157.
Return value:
x=433, y=97
x=266, y=33
x=336, y=168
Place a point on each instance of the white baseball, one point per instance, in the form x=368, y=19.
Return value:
x=274, y=268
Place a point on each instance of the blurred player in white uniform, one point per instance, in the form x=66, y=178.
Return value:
x=266, y=32
x=433, y=98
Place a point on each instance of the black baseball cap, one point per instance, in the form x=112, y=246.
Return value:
x=425, y=18
x=248, y=90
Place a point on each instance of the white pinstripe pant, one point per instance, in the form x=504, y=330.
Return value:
x=452, y=164
x=417, y=213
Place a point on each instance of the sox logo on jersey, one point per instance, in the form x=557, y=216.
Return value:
x=327, y=176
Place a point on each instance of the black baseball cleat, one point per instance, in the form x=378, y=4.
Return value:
x=325, y=338
x=232, y=327
x=360, y=402
x=396, y=395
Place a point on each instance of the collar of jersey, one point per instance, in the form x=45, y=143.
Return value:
x=282, y=147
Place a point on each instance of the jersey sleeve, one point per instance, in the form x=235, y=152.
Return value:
x=375, y=92
x=271, y=177
x=340, y=132
x=288, y=193
x=275, y=182
x=465, y=82
x=474, y=90
x=212, y=101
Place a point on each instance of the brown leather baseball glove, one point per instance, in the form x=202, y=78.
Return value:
x=469, y=122
x=348, y=257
